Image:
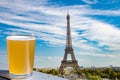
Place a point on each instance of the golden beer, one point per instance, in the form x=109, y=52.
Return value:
x=20, y=54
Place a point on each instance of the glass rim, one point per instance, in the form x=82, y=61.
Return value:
x=21, y=37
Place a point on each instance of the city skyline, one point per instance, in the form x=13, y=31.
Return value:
x=95, y=29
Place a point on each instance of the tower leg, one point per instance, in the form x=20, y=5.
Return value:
x=61, y=70
x=77, y=68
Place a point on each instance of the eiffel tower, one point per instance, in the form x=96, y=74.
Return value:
x=69, y=50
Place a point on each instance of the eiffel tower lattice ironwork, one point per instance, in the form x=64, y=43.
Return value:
x=69, y=50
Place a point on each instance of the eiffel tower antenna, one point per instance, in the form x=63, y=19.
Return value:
x=69, y=50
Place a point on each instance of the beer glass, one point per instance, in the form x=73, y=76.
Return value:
x=20, y=50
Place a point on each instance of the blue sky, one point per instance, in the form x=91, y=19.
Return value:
x=95, y=27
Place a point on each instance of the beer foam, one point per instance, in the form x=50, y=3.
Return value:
x=21, y=38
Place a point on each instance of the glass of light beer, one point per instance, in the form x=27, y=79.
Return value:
x=20, y=55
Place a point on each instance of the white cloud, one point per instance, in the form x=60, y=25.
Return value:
x=54, y=58
x=90, y=1
x=47, y=61
x=99, y=54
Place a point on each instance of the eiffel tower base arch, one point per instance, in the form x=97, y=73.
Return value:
x=68, y=63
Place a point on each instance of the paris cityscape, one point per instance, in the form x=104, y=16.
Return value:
x=75, y=39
